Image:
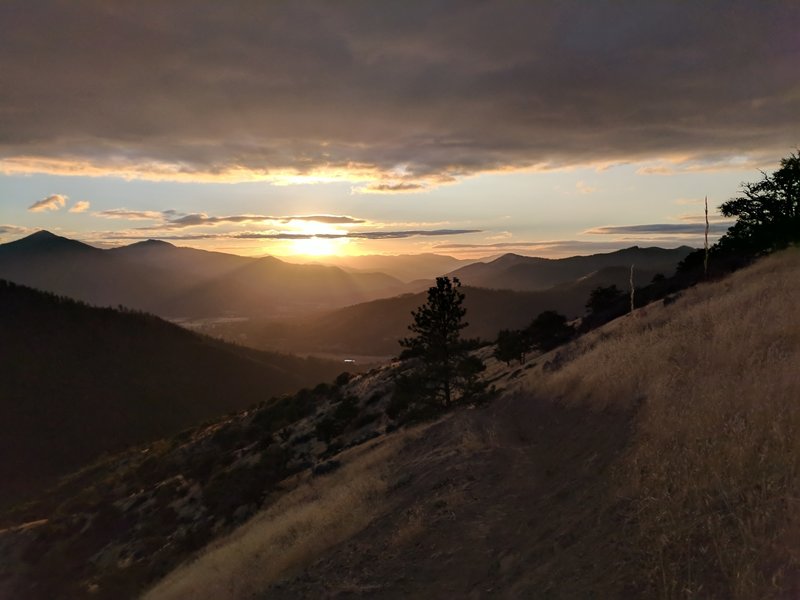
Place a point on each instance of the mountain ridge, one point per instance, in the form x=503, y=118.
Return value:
x=523, y=273
x=179, y=282
x=373, y=328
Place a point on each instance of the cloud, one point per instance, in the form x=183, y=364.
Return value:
x=52, y=202
x=709, y=162
x=700, y=218
x=171, y=219
x=202, y=219
x=80, y=206
x=197, y=219
x=584, y=188
x=655, y=170
x=394, y=95
x=281, y=235
x=659, y=229
x=14, y=230
x=130, y=215
x=390, y=188
x=528, y=245
x=331, y=219
x=558, y=248
x=365, y=235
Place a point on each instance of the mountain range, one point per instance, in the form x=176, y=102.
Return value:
x=405, y=267
x=373, y=328
x=173, y=282
x=313, y=308
x=527, y=273
x=186, y=283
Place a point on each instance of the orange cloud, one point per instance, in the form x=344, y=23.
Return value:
x=52, y=202
x=80, y=207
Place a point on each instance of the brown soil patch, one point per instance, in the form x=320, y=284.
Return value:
x=507, y=501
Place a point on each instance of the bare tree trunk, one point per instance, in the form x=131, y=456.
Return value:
x=705, y=258
x=633, y=290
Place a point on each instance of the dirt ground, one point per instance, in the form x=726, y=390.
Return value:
x=503, y=501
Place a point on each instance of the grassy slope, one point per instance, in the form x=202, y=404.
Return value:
x=78, y=381
x=655, y=457
x=711, y=473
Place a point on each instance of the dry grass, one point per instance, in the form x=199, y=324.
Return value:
x=290, y=534
x=410, y=528
x=474, y=440
x=712, y=474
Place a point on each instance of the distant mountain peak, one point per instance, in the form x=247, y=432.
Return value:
x=144, y=247
x=47, y=241
x=510, y=258
x=42, y=234
x=151, y=243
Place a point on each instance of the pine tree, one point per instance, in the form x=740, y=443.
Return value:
x=437, y=341
x=767, y=213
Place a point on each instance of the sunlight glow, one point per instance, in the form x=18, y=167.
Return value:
x=315, y=246
x=318, y=247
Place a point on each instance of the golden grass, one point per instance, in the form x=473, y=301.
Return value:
x=411, y=527
x=712, y=473
x=290, y=534
x=474, y=440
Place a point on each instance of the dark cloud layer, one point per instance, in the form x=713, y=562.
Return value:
x=196, y=219
x=277, y=235
x=363, y=235
x=561, y=248
x=410, y=93
x=13, y=230
x=661, y=229
x=170, y=219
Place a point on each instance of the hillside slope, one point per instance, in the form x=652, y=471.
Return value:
x=656, y=456
x=77, y=381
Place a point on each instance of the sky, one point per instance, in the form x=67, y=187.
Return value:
x=468, y=128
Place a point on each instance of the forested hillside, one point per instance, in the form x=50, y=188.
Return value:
x=77, y=381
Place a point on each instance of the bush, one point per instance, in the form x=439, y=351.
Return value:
x=511, y=345
x=549, y=330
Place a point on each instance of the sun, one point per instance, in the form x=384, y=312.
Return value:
x=317, y=246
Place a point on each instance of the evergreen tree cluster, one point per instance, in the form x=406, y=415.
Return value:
x=547, y=331
x=767, y=219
